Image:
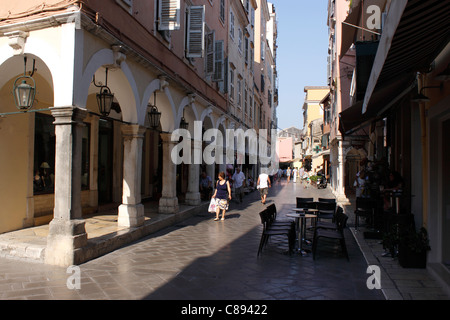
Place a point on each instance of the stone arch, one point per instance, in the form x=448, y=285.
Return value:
x=121, y=82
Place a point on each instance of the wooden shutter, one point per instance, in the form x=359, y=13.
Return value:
x=169, y=14
x=219, y=63
x=195, y=32
x=210, y=56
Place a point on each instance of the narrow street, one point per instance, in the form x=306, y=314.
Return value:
x=200, y=259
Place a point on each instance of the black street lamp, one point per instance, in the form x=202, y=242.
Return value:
x=183, y=123
x=154, y=116
x=105, y=98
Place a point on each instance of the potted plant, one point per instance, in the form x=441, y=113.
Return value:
x=413, y=247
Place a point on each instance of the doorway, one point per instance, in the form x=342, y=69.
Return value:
x=105, y=161
x=445, y=191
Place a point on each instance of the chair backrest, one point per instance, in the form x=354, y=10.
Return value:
x=306, y=203
x=264, y=217
x=341, y=221
x=327, y=200
x=326, y=206
x=272, y=209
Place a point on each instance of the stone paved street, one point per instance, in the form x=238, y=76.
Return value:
x=200, y=259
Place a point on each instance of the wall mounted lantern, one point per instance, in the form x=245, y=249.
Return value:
x=25, y=92
x=420, y=97
x=154, y=116
x=104, y=98
x=183, y=123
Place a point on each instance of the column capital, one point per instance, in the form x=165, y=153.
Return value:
x=68, y=115
x=133, y=131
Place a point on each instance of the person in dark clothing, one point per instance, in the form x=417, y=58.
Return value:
x=222, y=195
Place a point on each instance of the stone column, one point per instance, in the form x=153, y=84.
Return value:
x=169, y=201
x=211, y=172
x=193, y=195
x=131, y=211
x=67, y=233
x=341, y=197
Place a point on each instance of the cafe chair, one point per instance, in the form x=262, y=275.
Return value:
x=327, y=200
x=365, y=207
x=272, y=209
x=305, y=203
x=337, y=234
x=326, y=210
x=330, y=225
x=269, y=231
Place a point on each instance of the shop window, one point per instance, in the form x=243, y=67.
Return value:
x=85, y=156
x=44, y=155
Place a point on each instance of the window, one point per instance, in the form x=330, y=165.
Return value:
x=252, y=57
x=218, y=61
x=240, y=40
x=85, y=156
x=169, y=14
x=231, y=83
x=246, y=56
x=239, y=94
x=44, y=154
x=210, y=55
x=195, y=43
x=232, y=25
x=246, y=100
x=222, y=11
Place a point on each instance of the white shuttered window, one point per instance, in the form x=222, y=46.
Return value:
x=195, y=32
x=169, y=14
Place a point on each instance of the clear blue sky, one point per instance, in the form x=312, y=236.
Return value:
x=302, y=55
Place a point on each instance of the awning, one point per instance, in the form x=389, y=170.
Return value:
x=352, y=118
x=349, y=32
x=414, y=34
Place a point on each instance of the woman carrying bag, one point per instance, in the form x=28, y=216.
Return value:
x=222, y=195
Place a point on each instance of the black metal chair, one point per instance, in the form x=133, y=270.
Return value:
x=337, y=234
x=365, y=207
x=306, y=203
x=332, y=200
x=269, y=230
x=326, y=210
x=330, y=225
x=272, y=209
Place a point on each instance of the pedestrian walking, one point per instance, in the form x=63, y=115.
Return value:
x=222, y=195
x=288, y=174
x=264, y=185
x=238, y=183
x=294, y=173
x=301, y=172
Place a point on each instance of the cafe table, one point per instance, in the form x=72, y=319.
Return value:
x=300, y=217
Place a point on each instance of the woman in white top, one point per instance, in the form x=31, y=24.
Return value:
x=264, y=185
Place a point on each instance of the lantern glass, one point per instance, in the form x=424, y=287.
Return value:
x=24, y=95
x=104, y=100
x=184, y=124
x=154, y=117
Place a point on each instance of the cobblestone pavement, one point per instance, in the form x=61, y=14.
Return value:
x=201, y=259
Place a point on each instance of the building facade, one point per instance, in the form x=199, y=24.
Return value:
x=67, y=156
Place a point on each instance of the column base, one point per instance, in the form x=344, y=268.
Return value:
x=64, y=241
x=193, y=198
x=131, y=215
x=168, y=205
